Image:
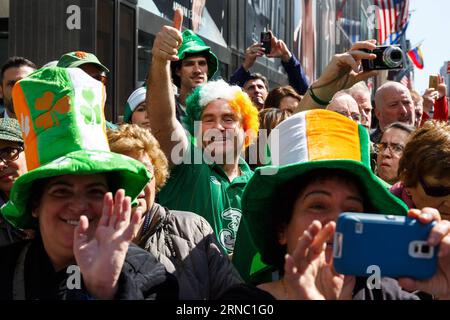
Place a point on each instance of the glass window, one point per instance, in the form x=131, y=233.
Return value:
x=105, y=48
x=145, y=42
x=126, y=81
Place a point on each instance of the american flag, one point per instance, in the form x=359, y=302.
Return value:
x=393, y=19
x=448, y=67
x=405, y=81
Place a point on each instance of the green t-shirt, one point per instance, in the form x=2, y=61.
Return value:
x=205, y=189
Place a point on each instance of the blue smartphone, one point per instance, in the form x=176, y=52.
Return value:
x=397, y=245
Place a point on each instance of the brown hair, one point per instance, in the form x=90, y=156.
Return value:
x=257, y=76
x=270, y=118
x=130, y=138
x=426, y=153
x=274, y=97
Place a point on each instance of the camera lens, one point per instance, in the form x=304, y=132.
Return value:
x=425, y=249
x=393, y=57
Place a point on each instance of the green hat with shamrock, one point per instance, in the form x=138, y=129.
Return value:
x=64, y=130
x=78, y=58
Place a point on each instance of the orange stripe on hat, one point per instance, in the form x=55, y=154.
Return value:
x=22, y=112
x=331, y=136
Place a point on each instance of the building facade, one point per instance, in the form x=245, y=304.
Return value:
x=121, y=34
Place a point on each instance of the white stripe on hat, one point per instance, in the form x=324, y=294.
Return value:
x=92, y=134
x=288, y=142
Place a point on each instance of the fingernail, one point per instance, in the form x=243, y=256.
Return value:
x=425, y=216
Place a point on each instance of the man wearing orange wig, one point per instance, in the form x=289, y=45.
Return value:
x=208, y=175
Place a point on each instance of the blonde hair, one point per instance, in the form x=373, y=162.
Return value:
x=130, y=138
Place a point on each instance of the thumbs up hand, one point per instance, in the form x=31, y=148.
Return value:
x=168, y=40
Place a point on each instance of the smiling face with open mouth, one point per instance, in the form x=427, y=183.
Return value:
x=64, y=200
x=222, y=134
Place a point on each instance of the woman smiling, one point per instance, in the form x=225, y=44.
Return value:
x=67, y=196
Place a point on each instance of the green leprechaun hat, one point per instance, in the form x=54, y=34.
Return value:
x=64, y=130
x=193, y=44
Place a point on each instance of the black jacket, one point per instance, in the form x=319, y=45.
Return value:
x=389, y=290
x=142, y=276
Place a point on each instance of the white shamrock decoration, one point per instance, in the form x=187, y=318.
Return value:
x=60, y=162
x=101, y=157
x=25, y=124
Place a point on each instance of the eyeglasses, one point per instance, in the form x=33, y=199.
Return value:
x=432, y=191
x=10, y=153
x=394, y=148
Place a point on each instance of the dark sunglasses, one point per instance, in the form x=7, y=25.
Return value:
x=436, y=192
x=102, y=78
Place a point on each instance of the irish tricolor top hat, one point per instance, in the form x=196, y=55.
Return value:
x=311, y=140
x=63, y=127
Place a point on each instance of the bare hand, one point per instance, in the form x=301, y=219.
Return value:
x=429, y=98
x=254, y=51
x=279, y=49
x=308, y=274
x=343, y=70
x=101, y=258
x=442, y=88
x=439, y=284
x=168, y=40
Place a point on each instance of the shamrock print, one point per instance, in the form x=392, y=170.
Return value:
x=91, y=113
x=81, y=54
x=50, y=117
x=100, y=157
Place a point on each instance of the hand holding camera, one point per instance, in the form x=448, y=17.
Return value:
x=274, y=47
x=252, y=52
x=341, y=73
x=395, y=246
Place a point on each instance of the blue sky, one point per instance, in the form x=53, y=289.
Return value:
x=430, y=21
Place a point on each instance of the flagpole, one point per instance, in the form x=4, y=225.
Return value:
x=418, y=44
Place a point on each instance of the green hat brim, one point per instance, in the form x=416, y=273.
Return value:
x=127, y=113
x=261, y=190
x=76, y=64
x=128, y=174
x=213, y=62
